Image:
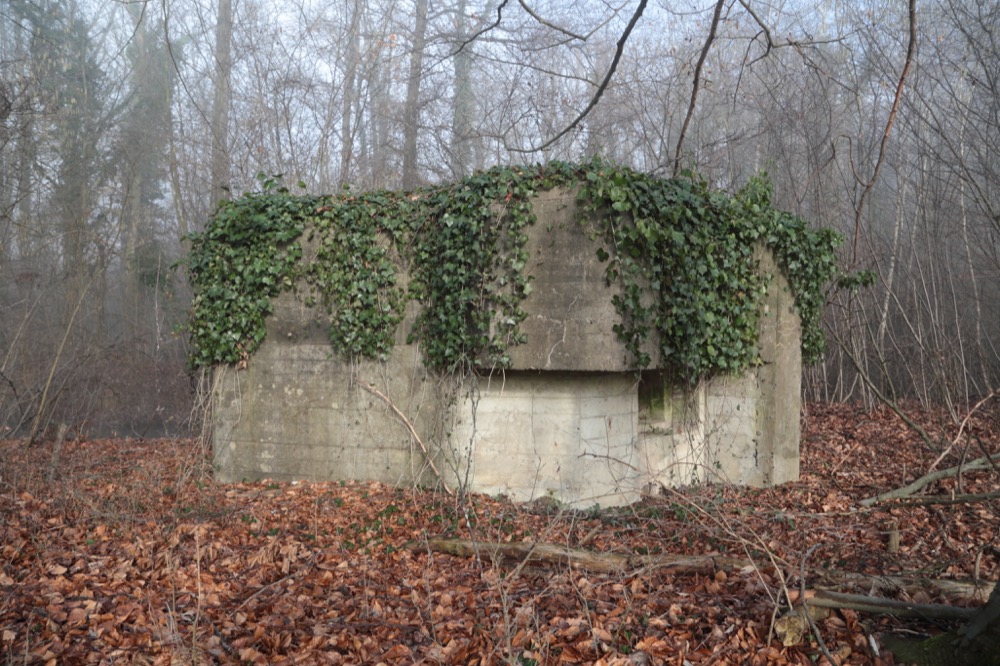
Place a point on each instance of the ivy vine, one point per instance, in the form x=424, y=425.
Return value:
x=245, y=257
x=469, y=253
x=682, y=254
x=355, y=275
x=692, y=249
x=807, y=257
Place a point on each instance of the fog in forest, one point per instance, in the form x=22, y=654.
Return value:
x=122, y=124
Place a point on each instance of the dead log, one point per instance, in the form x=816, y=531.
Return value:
x=913, y=587
x=536, y=553
x=830, y=586
x=927, y=500
x=796, y=625
x=894, y=607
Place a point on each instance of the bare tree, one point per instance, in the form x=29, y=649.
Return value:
x=411, y=110
x=222, y=101
x=464, y=104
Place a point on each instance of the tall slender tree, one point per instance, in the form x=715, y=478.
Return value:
x=464, y=102
x=141, y=149
x=73, y=94
x=222, y=101
x=411, y=108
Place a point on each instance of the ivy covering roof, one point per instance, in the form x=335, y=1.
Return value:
x=692, y=246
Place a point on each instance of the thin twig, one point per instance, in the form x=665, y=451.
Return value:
x=413, y=433
x=547, y=24
x=44, y=400
x=763, y=28
x=482, y=31
x=884, y=399
x=961, y=429
x=275, y=583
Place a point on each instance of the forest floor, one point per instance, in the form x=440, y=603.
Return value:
x=126, y=551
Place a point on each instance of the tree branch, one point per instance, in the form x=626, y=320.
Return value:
x=961, y=428
x=483, y=31
x=911, y=48
x=858, y=602
x=413, y=432
x=697, y=84
x=927, y=479
x=549, y=25
x=619, y=48
x=763, y=29
x=928, y=500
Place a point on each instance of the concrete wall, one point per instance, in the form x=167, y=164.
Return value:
x=752, y=421
x=569, y=435
x=570, y=315
x=569, y=420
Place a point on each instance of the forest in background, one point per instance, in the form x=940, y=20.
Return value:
x=122, y=124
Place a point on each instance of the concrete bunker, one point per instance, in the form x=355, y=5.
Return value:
x=569, y=416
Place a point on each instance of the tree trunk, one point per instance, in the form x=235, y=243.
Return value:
x=222, y=101
x=461, y=142
x=411, y=112
x=348, y=123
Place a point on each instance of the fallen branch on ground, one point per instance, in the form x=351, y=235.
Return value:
x=541, y=553
x=548, y=553
x=925, y=500
x=927, y=479
x=800, y=622
x=894, y=607
x=523, y=553
x=955, y=591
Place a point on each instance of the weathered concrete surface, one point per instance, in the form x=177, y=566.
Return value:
x=756, y=415
x=572, y=436
x=569, y=420
x=570, y=316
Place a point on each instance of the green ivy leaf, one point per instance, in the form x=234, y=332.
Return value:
x=682, y=259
